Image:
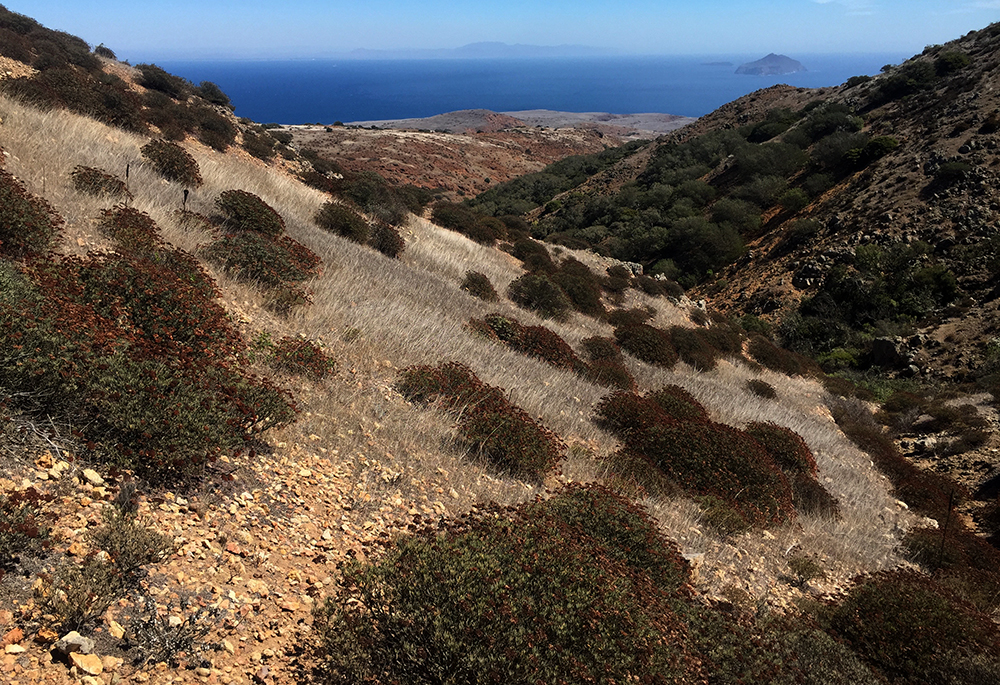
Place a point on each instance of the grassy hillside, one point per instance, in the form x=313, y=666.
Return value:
x=709, y=521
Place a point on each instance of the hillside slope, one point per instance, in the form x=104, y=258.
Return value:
x=213, y=573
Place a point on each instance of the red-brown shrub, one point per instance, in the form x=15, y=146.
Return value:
x=678, y=403
x=503, y=433
x=245, y=211
x=648, y=344
x=785, y=446
x=28, y=225
x=301, y=356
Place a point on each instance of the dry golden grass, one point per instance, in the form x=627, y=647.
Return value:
x=376, y=315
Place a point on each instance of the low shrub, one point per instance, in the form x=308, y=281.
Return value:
x=387, y=240
x=155, y=78
x=912, y=629
x=707, y=458
x=154, y=638
x=581, y=285
x=539, y=294
x=301, y=357
x=99, y=183
x=693, y=348
x=478, y=285
x=811, y=497
x=502, y=432
x=678, y=403
x=534, y=341
x=264, y=259
x=607, y=364
x=129, y=543
x=172, y=162
x=621, y=318
x=28, y=224
x=610, y=374
x=785, y=446
x=551, y=592
x=342, y=220
x=76, y=594
x=245, y=211
x=628, y=415
x=647, y=343
x=23, y=528
x=777, y=359
x=761, y=389
x=132, y=230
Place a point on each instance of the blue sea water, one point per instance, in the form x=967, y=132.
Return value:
x=324, y=91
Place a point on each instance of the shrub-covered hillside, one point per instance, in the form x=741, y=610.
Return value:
x=261, y=423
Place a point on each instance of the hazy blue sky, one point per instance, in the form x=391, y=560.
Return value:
x=139, y=30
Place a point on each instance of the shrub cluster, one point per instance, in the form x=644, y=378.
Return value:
x=502, y=432
x=172, y=162
x=791, y=454
x=539, y=294
x=478, y=285
x=99, y=183
x=254, y=250
x=340, y=219
x=670, y=433
x=28, y=224
x=134, y=350
x=607, y=364
x=485, y=230
x=535, y=341
x=647, y=343
x=912, y=629
x=577, y=588
x=244, y=211
x=299, y=356
x=23, y=529
x=387, y=240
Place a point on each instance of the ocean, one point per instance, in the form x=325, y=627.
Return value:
x=325, y=91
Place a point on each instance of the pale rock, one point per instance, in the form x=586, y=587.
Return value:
x=93, y=477
x=175, y=621
x=14, y=649
x=73, y=642
x=87, y=663
x=116, y=630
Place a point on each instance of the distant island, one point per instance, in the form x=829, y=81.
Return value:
x=772, y=65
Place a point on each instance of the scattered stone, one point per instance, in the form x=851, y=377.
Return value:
x=116, y=630
x=90, y=664
x=93, y=477
x=73, y=642
x=12, y=637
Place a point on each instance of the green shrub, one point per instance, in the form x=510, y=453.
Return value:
x=172, y=162
x=526, y=595
x=539, y=294
x=478, y=285
x=154, y=638
x=387, y=240
x=581, y=285
x=535, y=341
x=648, y=344
x=155, y=78
x=130, y=544
x=99, y=183
x=245, y=211
x=302, y=357
x=28, y=224
x=913, y=630
x=210, y=92
x=949, y=61
x=76, y=594
x=607, y=364
x=274, y=263
x=342, y=220
x=707, y=458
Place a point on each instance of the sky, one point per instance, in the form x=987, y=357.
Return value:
x=141, y=31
